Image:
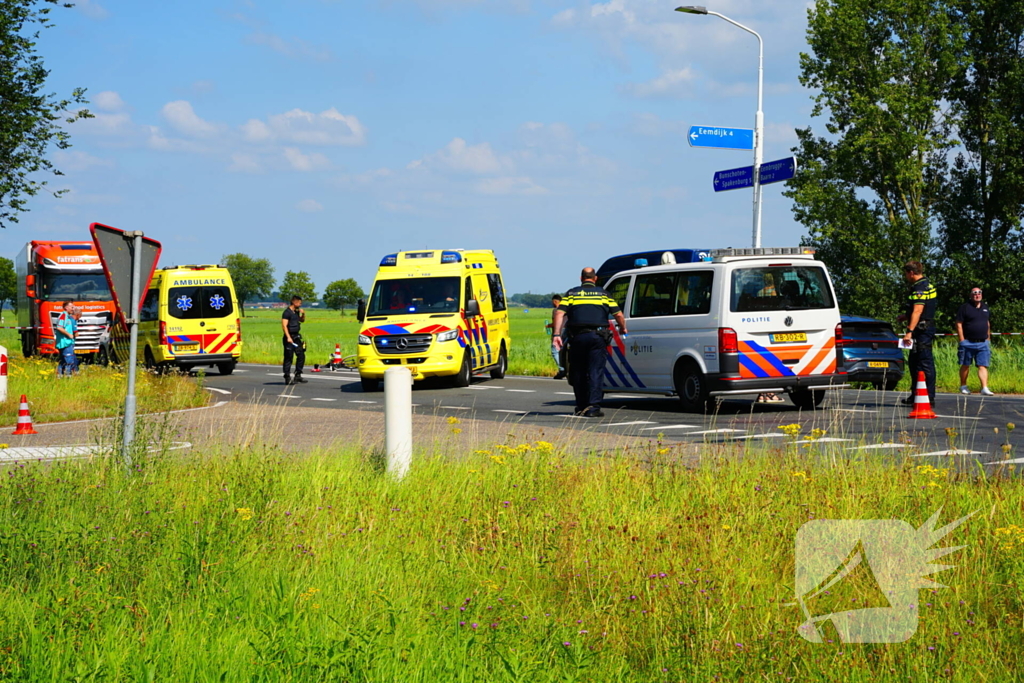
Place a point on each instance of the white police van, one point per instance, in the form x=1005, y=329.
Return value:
x=746, y=321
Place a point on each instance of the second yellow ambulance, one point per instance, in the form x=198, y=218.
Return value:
x=439, y=312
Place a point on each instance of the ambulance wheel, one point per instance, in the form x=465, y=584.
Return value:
x=226, y=368
x=465, y=372
x=369, y=384
x=148, y=360
x=499, y=370
x=692, y=387
x=805, y=399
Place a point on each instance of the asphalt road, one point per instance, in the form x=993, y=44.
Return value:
x=973, y=427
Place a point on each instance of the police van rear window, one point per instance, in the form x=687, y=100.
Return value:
x=193, y=303
x=780, y=288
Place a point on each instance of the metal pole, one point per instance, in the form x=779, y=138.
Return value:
x=133, y=336
x=758, y=127
x=398, y=420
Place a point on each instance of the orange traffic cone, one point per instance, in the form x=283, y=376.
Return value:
x=922, y=408
x=336, y=361
x=24, y=419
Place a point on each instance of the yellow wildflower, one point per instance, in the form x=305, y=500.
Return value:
x=244, y=513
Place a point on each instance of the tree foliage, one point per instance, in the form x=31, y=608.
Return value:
x=8, y=283
x=922, y=152
x=297, y=284
x=253, y=278
x=340, y=293
x=30, y=119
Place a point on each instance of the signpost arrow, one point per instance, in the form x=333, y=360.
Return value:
x=721, y=138
x=771, y=172
x=125, y=256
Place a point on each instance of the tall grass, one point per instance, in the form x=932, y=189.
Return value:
x=94, y=392
x=513, y=563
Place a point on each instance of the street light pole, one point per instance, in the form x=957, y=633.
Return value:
x=758, y=117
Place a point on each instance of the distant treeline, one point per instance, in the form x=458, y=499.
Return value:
x=534, y=300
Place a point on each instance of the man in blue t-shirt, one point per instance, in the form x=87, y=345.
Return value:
x=975, y=331
x=64, y=331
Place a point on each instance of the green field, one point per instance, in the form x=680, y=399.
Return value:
x=516, y=562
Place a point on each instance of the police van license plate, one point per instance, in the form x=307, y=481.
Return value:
x=877, y=364
x=789, y=337
x=186, y=348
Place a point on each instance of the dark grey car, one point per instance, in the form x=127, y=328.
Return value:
x=871, y=352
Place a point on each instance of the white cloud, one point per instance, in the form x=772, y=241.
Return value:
x=509, y=185
x=91, y=9
x=674, y=83
x=245, y=163
x=295, y=48
x=113, y=125
x=460, y=157
x=305, y=162
x=180, y=115
x=108, y=100
x=306, y=128
x=309, y=206
x=78, y=161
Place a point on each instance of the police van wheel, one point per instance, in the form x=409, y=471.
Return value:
x=805, y=399
x=692, y=387
x=499, y=370
x=465, y=373
x=369, y=384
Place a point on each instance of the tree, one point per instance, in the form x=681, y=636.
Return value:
x=8, y=284
x=868, y=193
x=253, y=278
x=31, y=119
x=342, y=292
x=297, y=284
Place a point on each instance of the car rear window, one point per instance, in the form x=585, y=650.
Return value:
x=784, y=287
x=194, y=303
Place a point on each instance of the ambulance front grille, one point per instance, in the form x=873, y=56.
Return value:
x=402, y=343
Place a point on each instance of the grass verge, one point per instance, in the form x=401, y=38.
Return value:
x=512, y=563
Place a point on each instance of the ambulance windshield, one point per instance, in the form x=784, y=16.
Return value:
x=411, y=296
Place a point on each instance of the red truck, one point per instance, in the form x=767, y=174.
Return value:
x=50, y=273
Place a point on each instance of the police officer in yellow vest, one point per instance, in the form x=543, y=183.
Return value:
x=920, y=318
x=584, y=314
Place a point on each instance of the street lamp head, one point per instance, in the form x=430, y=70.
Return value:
x=692, y=9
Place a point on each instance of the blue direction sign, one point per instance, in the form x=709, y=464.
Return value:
x=771, y=172
x=721, y=138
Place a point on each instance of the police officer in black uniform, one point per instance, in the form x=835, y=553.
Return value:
x=920, y=318
x=291, y=320
x=583, y=314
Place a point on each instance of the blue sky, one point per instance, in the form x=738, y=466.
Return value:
x=323, y=134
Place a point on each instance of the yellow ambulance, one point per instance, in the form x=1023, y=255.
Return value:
x=190, y=318
x=441, y=313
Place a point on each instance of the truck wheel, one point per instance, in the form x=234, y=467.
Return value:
x=692, y=387
x=465, y=372
x=28, y=344
x=805, y=399
x=102, y=357
x=369, y=384
x=226, y=368
x=499, y=371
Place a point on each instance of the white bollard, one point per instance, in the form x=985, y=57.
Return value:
x=398, y=420
x=3, y=374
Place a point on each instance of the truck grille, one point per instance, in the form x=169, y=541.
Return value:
x=402, y=343
x=91, y=327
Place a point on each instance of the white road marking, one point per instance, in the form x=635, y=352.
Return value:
x=715, y=431
x=455, y=407
x=288, y=396
x=879, y=446
x=362, y=401
x=1015, y=461
x=523, y=391
x=824, y=439
x=952, y=451
x=219, y=391
x=854, y=410
x=564, y=393
x=324, y=399
x=623, y=424
x=516, y=412
x=769, y=435
x=654, y=429
x=957, y=417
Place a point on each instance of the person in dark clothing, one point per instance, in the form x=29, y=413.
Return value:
x=974, y=330
x=920, y=318
x=291, y=320
x=583, y=315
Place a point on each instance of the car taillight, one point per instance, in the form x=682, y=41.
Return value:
x=163, y=333
x=238, y=326
x=839, y=335
x=727, y=342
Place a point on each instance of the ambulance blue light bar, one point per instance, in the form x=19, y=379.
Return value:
x=389, y=260
x=451, y=257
